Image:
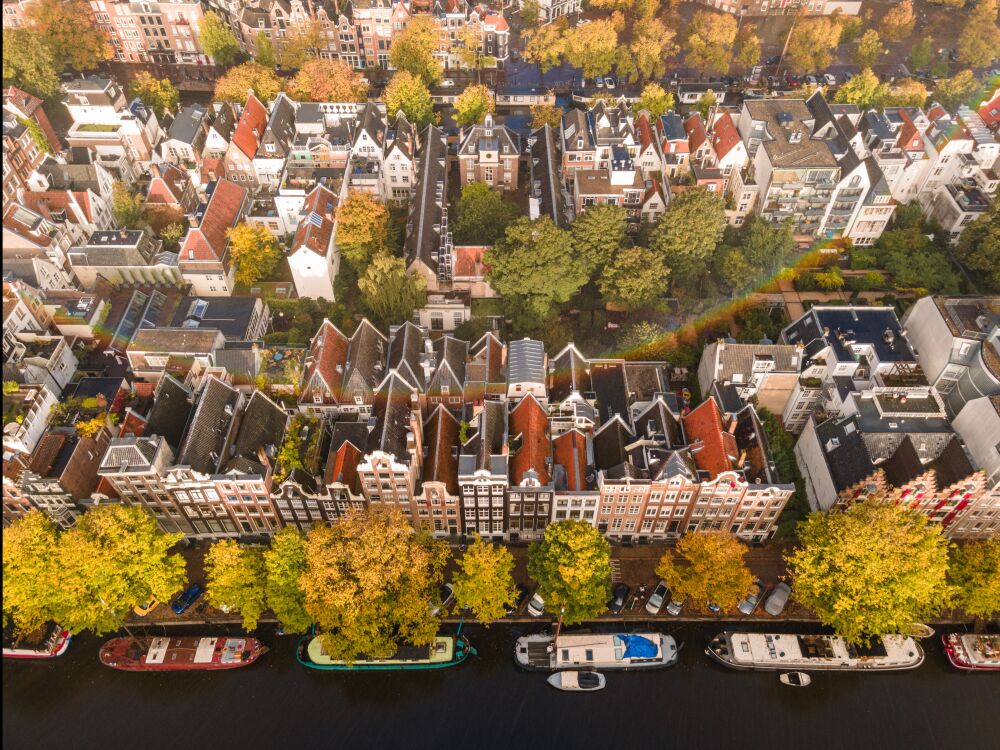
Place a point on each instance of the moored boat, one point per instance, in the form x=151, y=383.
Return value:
x=795, y=679
x=163, y=654
x=47, y=642
x=919, y=630
x=778, y=651
x=443, y=651
x=620, y=651
x=973, y=652
x=584, y=681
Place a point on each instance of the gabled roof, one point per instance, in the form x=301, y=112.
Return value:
x=609, y=443
x=657, y=421
x=725, y=136
x=422, y=240
x=325, y=361
x=405, y=349
x=262, y=429
x=391, y=409
x=694, y=126
x=570, y=455
x=451, y=354
x=204, y=446
x=280, y=129
x=208, y=241
x=570, y=373
x=316, y=229
x=487, y=442
x=365, y=356
x=486, y=360
x=347, y=443
x=171, y=410
x=187, y=124
x=167, y=184
x=76, y=205
x=441, y=438
x=251, y=126
x=714, y=449
x=529, y=423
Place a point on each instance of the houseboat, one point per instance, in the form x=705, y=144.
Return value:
x=47, y=642
x=443, y=651
x=573, y=651
x=161, y=654
x=973, y=652
x=785, y=651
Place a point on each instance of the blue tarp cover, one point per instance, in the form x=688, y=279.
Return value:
x=637, y=647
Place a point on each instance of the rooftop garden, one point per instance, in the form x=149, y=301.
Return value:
x=300, y=448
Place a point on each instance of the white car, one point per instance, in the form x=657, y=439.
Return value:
x=829, y=79
x=656, y=599
x=609, y=82
x=447, y=83
x=536, y=607
x=811, y=80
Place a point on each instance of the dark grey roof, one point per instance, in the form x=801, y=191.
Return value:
x=840, y=326
x=280, y=129
x=608, y=378
x=204, y=446
x=543, y=166
x=241, y=361
x=172, y=406
x=678, y=463
x=405, y=349
x=231, y=315
x=489, y=137
x=845, y=451
x=570, y=372
x=672, y=127
x=484, y=448
x=952, y=465
x=372, y=121
x=365, y=356
x=452, y=352
x=609, y=444
x=658, y=422
x=392, y=409
x=422, y=239
x=224, y=118
x=262, y=428
x=646, y=379
x=576, y=125
x=525, y=361
x=187, y=124
x=904, y=465
x=93, y=387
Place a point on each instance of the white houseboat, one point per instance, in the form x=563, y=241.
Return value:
x=620, y=651
x=784, y=651
x=973, y=652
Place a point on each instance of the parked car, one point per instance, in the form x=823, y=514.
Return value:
x=776, y=602
x=447, y=83
x=186, y=598
x=660, y=594
x=599, y=82
x=619, y=595
x=848, y=76
x=829, y=79
x=773, y=60
x=752, y=599
x=811, y=81
x=447, y=594
x=536, y=607
x=714, y=608
x=675, y=607
x=793, y=82
x=144, y=609
x=772, y=82
x=609, y=82
x=519, y=600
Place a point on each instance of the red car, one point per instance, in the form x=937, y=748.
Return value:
x=793, y=82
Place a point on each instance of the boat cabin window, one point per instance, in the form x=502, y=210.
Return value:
x=589, y=653
x=565, y=654
x=745, y=646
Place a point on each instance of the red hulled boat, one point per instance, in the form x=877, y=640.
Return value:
x=180, y=654
x=973, y=652
x=48, y=642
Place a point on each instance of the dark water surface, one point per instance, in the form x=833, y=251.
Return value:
x=75, y=702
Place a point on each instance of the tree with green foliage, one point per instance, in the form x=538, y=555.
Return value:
x=864, y=89
x=599, y=233
x=915, y=262
x=713, y=570
x=473, y=104
x=285, y=564
x=957, y=90
x=651, y=46
x=158, y=93
x=639, y=334
x=812, y=42
x=830, y=280
x=870, y=49
x=709, y=41
x=250, y=76
x=975, y=573
x=254, y=251
x=302, y=44
x=321, y=80
x=850, y=26
x=531, y=14
x=980, y=37
x=31, y=575
x=485, y=581
x=388, y=292
x=70, y=33
x=362, y=229
x=264, y=53
x=126, y=207
x=534, y=267
x=544, y=46
x=687, y=233
x=907, y=92
x=705, y=104
x=731, y=265
x=747, y=54
x=112, y=560
x=235, y=580
x=899, y=21
x=368, y=581
x=171, y=235
x=656, y=100
x=870, y=570
x=29, y=63
x=979, y=249
x=592, y=47
x=767, y=247
x=407, y=93
x=921, y=54
x=635, y=278
x=483, y=215
x=572, y=565
x=217, y=40
x=546, y=114
x=413, y=50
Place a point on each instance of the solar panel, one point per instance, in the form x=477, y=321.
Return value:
x=315, y=219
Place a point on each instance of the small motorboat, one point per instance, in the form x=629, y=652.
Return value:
x=795, y=679
x=919, y=630
x=582, y=681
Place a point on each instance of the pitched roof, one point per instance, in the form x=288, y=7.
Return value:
x=206, y=439
x=347, y=443
x=725, y=136
x=325, y=360
x=167, y=184
x=570, y=453
x=365, y=355
x=262, y=429
x=316, y=229
x=209, y=240
x=694, y=126
x=422, y=239
x=187, y=123
x=171, y=410
x=391, y=409
x=441, y=438
x=405, y=349
x=251, y=126
x=529, y=422
x=714, y=449
x=487, y=442
x=451, y=353
x=569, y=373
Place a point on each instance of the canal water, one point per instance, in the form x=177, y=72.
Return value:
x=75, y=702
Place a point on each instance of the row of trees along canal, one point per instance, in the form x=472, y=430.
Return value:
x=367, y=582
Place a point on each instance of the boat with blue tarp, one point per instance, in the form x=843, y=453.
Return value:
x=621, y=651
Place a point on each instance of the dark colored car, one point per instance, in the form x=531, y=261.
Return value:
x=522, y=597
x=714, y=608
x=619, y=595
x=773, y=60
x=186, y=598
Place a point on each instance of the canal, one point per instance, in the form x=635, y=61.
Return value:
x=74, y=702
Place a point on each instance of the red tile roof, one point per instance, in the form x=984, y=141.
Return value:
x=498, y=22
x=441, y=464
x=133, y=424
x=212, y=169
x=11, y=222
x=644, y=132
x=714, y=449
x=570, y=451
x=725, y=136
x=316, y=228
x=251, y=126
x=935, y=112
x=45, y=202
x=167, y=184
x=469, y=260
x=342, y=466
x=529, y=420
x=22, y=100
x=694, y=126
x=989, y=110
x=208, y=241
x=327, y=350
